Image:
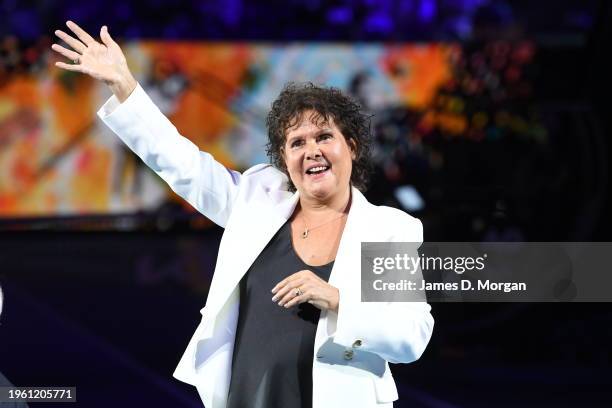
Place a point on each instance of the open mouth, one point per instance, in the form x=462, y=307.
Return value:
x=317, y=170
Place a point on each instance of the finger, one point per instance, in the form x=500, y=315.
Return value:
x=69, y=67
x=83, y=36
x=282, y=283
x=282, y=292
x=297, y=280
x=288, y=287
x=71, y=55
x=307, y=295
x=288, y=279
x=106, y=38
x=291, y=295
x=292, y=292
x=285, y=295
x=278, y=286
x=304, y=297
x=71, y=41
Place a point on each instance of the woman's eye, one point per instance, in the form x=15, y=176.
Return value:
x=296, y=143
x=325, y=136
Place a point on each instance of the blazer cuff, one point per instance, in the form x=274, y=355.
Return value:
x=398, y=332
x=112, y=106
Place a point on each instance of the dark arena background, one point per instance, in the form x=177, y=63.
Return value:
x=491, y=121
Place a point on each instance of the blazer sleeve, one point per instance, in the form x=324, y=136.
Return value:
x=396, y=331
x=194, y=175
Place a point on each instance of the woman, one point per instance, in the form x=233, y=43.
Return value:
x=283, y=324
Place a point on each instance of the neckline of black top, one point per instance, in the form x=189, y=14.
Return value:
x=298, y=256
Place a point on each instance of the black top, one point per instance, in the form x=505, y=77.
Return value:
x=273, y=351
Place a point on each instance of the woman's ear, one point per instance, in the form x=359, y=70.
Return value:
x=353, y=146
x=283, y=156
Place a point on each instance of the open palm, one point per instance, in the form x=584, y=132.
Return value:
x=103, y=61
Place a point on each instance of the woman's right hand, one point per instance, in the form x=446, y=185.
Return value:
x=105, y=61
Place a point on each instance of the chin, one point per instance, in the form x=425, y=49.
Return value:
x=318, y=192
x=321, y=195
x=322, y=191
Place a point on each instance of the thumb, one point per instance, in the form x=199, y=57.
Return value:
x=106, y=38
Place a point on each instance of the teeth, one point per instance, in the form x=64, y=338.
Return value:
x=317, y=169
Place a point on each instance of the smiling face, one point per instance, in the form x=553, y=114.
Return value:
x=318, y=158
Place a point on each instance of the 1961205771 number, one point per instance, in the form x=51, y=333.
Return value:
x=33, y=394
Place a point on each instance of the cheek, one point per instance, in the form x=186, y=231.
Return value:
x=347, y=166
x=293, y=166
x=343, y=157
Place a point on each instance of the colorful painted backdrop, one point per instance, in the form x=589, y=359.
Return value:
x=57, y=158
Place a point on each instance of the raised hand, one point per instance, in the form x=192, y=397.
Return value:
x=103, y=61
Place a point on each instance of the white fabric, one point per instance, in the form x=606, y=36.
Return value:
x=251, y=207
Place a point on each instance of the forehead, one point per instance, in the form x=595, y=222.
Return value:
x=309, y=121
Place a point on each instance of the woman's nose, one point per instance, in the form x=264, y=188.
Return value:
x=312, y=151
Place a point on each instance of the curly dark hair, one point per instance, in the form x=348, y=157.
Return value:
x=326, y=102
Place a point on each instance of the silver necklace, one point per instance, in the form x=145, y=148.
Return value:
x=307, y=230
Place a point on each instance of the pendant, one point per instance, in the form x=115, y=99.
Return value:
x=305, y=233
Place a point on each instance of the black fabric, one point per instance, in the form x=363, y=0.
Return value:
x=273, y=351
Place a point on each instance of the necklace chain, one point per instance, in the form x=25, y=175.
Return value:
x=307, y=230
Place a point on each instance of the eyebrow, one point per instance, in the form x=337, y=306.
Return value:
x=317, y=133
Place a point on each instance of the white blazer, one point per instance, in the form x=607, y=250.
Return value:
x=352, y=347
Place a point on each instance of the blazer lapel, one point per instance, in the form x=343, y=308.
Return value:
x=248, y=235
x=345, y=274
x=354, y=232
